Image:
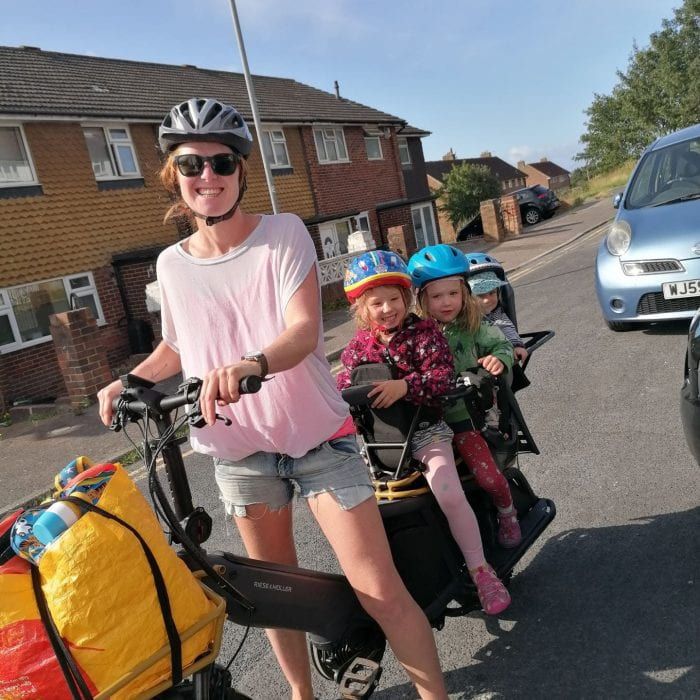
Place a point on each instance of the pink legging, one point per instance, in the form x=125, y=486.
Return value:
x=441, y=475
x=476, y=455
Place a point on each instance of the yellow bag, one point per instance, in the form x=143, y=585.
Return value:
x=102, y=595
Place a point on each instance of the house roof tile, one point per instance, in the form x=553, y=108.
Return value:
x=502, y=170
x=548, y=168
x=36, y=82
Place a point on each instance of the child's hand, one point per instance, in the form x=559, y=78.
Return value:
x=388, y=392
x=491, y=364
x=520, y=354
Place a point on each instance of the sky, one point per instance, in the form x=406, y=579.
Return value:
x=505, y=76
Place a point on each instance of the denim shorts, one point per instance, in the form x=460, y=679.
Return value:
x=334, y=467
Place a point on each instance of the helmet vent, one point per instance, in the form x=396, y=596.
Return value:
x=213, y=112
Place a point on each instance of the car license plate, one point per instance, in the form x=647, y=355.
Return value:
x=677, y=290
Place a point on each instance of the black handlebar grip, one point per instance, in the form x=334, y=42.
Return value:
x=250, y=385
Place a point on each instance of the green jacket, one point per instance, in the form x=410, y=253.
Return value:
x=467, y=348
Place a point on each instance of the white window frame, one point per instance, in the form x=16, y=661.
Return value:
x=421, y=209
x=357, y=226
x=30, y=161
x=323, y=137
x=269, y=132
x=371, y=135
x=113, y=151
x=353, y=225
x=402, y=142
x=6, y=309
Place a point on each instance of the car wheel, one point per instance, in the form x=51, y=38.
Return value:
x=532, y=216
x=619, y=326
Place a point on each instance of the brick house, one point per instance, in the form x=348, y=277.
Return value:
x=511, y=179
x=81, y=207
x=546, y=173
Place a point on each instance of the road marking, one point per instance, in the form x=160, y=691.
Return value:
x=545, y=259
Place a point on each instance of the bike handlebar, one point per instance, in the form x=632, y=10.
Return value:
x=138, y=396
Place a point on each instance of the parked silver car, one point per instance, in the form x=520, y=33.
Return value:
x=648, y=265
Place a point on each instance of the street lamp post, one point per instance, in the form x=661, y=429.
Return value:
x=254, y=108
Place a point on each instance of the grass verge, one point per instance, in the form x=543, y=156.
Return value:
x=598, y=186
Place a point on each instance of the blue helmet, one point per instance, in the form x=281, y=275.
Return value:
x=481, y=262
x=436, y=262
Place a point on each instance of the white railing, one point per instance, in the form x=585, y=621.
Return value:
x=333, y=269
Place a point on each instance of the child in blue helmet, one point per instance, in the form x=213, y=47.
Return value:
x=439, y=272
x=379, y=286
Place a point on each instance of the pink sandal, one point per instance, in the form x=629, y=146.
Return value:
x=509, y=534
x=493, y=596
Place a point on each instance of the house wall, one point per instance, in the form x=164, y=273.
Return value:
x=294, y=192
x=358, y=185
x=414, y=174
x=448, y=234
x=400, y=216
x=74, y=227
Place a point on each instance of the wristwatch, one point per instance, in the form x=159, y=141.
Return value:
x=259, y=357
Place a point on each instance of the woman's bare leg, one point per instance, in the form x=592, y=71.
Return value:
x=268, y=535
x=359, y=541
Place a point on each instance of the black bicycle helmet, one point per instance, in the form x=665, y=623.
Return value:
x=207, y=119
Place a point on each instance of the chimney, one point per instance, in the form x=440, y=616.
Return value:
x=486, y=154
x=544, y=159
x=337, y=89
x=450, y=155
x=521, y=165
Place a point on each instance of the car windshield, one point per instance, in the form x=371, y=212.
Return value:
x=666, y=175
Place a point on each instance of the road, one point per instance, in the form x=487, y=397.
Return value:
x=606, y=603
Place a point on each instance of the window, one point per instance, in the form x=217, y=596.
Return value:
x=16, y=167
x=111, y=152
x=424, y=225
x=373, y=146
x=404, y=153
x=334, y=234
x=330, y=145
x=25, y=310
x=275, y=148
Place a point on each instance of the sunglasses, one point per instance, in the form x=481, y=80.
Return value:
x=192, y=165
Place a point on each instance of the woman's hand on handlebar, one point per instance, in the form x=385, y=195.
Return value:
x=105, y=397
x=220, y=387
x=491, y=364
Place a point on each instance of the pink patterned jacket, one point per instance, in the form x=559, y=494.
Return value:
x=419, y=352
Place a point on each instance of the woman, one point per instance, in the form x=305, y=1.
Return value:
x=240, y=297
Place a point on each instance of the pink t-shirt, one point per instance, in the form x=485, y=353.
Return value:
x=214, y=310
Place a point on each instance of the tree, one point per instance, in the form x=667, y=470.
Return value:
x=659, y=93
x=464, y=187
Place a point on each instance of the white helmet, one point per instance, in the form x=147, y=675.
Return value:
x=205, y=120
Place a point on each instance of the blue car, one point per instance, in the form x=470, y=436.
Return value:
x=690, y=392
x=648, y=264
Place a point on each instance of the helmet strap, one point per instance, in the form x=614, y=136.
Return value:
x=211, y=220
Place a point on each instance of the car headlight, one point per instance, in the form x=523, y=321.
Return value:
x=619, y=238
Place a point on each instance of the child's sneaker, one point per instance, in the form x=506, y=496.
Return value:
x=493, y=596
x=509, y=534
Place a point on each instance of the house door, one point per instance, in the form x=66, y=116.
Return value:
x=329, y=240
x=424, y=225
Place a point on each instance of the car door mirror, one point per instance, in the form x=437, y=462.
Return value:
x=617, y=199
